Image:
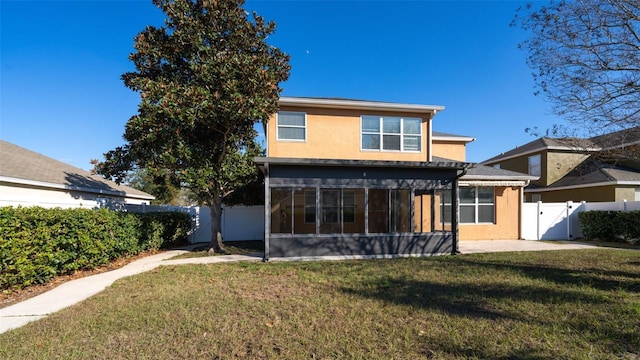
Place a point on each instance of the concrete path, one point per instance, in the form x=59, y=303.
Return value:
x=74, y=291
x=482, y=246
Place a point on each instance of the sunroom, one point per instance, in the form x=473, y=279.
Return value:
x=357, y=208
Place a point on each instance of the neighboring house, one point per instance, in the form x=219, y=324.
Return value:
x=353, y=178
x=31, y=179
x=600, y=168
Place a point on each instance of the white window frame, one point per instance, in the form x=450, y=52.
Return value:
x=381, y=134
x=539, y=166
x=278, y=126
x=446, y=201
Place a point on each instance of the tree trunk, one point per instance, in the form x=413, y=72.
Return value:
x=216, y=228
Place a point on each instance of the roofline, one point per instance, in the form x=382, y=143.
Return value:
x=13, y=180
x=358, y=105
x=465, y=139
x=529, y=152
x=500, y=177
x=466, y=182
x=456, y=165
x=581, y=186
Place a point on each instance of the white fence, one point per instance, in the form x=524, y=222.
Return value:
x=239, y=223
x=559, y=221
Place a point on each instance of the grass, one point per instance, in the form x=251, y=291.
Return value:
x=537, y=305
x=232, y=247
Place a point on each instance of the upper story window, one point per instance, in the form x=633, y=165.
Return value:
x=292, y=126
x=535, y=165
x=389, y=133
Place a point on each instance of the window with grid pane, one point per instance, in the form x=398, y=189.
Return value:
x=391, y=133
x=477, y=205
x=291, y=126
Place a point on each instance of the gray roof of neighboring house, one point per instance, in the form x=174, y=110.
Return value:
x=621, y=138
x=483, y=172
x=19, y=165
x=595, y=172
x=617, y=139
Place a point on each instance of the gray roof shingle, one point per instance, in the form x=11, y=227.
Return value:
x=19, y=163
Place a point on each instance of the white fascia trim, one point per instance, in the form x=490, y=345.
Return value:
x=542, y=148
x=358, y=105
x=71, y=188
x=582, y=186
x=522, y=183
x=465, y=139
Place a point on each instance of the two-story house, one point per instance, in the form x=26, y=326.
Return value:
x=365, y=178
x=600, y=168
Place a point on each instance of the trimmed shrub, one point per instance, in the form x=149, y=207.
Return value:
x=37, y=244
x=611, y=225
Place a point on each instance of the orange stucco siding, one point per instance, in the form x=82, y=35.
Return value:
x=335, y=134
x=507, y=224
x=454, y=150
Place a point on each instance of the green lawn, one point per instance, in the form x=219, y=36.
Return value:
x=540, y=305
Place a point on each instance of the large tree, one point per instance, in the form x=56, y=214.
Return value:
x=205, y=79
x=585, y=57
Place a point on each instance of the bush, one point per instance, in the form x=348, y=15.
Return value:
x=37, y=244
x=611, y=225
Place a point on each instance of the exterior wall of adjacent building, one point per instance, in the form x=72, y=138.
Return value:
x=336, y=134
x=559, y=164
x=23, y=195
x=591, y=194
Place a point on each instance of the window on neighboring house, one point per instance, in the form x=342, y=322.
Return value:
x=477, y=205
x=535, y=166
x=637, y=194
x=496, y=166
x=291, y=126
x=536, y=197
x=389, y=133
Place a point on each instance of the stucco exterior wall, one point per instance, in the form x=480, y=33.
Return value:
x=559, y=164
x=453, y=150
x=335, y=134
x=599, y=193
x=626, y=193
x=507, y=223
x=521, y=165
x=13, y=195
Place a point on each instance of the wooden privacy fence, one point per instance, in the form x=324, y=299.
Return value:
x=559, y=221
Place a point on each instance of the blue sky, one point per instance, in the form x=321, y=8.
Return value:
x=61, y=61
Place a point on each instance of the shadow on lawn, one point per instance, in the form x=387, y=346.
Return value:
x=487, y=297
x=600, y=279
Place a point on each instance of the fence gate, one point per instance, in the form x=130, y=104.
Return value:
x=550, y=221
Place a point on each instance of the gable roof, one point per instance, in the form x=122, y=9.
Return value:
x=545, y=143
x=594, y=173
x=22, y=166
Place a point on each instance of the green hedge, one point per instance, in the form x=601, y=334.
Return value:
x=611, y=225
x=37, y=244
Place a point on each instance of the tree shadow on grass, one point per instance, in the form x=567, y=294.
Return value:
x=601, y=279
x=487, y=299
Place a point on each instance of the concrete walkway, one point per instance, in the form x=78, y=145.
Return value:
x=75, y=291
